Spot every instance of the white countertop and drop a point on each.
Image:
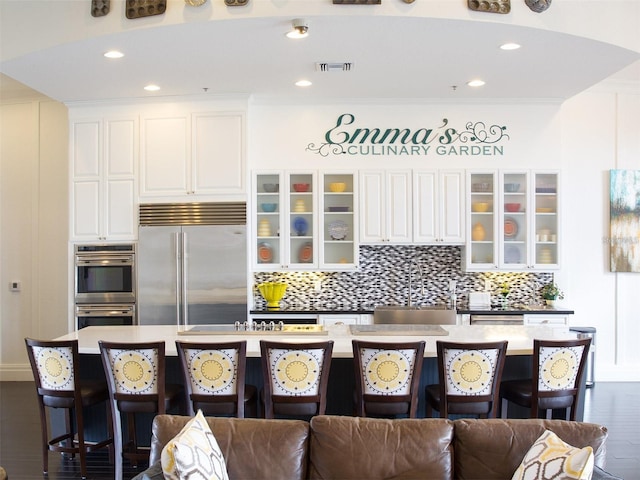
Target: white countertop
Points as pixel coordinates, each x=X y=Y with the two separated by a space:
x=520 y=337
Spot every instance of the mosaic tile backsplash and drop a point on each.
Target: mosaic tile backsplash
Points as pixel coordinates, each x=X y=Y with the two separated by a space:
x=383 y=279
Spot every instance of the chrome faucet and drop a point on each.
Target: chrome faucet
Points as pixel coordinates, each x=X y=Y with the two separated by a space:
x=411 y=264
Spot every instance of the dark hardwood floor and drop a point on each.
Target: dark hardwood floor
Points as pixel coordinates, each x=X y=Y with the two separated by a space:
x=614 y=405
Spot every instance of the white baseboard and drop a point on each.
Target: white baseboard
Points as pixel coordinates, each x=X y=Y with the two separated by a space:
x=16 y=372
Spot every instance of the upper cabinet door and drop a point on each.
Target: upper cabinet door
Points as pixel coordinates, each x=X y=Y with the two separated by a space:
x=438 y=206
x=482 y=221
x=385 y=206
x=199 y=154
x=165 y=166
x=104 y=156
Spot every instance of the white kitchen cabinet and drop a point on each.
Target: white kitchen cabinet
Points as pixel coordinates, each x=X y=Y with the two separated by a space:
x=513 y=221
x=285 y=220
x=338 y=232
x=552 y=320
x=195 y=155
x=386 y=206
x=438 y=206
x=104 y=157
x=339 y=319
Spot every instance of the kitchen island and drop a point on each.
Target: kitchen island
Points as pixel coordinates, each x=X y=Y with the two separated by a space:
x=341 y=378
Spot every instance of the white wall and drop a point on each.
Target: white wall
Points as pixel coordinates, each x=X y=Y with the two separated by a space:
x=601 y=131
x=33 y=228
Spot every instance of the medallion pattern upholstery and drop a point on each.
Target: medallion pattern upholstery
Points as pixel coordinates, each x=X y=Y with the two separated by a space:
x=469 y=378
x=295 y=377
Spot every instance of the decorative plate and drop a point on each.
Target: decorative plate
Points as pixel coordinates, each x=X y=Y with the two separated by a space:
x=338 y=230
x=301 y=226
x=265 y=253
x=510 y=227
x=305 y=255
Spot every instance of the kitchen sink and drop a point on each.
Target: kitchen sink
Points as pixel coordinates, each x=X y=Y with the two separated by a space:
x=424 y=315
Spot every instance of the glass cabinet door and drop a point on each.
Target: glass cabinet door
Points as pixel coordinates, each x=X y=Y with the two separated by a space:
x=546 y=222
x=301 y=221
x=338 y=236
x=268 y=210
x=514 y=251
x=481 y=241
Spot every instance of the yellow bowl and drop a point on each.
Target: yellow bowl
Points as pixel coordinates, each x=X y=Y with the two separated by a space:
x=337 y=186
x=480 y=207
x=272 y=292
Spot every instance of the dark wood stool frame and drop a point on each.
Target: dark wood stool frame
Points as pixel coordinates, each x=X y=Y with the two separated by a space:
x=295 y=405
x=387 y=405
x=484 y=406
x=526 y=392
x=212 y=404
x=84 y=394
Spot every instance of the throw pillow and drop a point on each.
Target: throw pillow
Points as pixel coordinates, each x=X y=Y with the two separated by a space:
x=194 y=454
x=549 y=457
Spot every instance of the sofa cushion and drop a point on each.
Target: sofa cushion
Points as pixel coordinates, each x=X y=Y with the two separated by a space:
x=358 y=448
x=252 y=447
x=549 y=457
x=493 y=448
x=194 y=453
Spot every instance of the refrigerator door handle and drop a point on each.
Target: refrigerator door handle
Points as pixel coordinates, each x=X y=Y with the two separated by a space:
x=178 y=277
x=184 y=303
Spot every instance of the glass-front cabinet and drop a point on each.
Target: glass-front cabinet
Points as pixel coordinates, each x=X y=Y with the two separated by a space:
x=338 y=234
x=285 y=210
x=513 y=222
x=482 y=221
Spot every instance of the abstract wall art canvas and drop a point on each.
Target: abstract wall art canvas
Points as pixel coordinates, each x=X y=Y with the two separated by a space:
x=624 y=239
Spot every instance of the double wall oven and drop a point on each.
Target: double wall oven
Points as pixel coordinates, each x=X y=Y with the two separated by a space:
x=105 y=285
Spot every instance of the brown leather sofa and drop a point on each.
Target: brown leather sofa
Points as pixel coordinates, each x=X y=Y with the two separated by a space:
x=334 y=447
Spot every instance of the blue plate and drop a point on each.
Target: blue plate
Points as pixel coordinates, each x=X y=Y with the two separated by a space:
x=300 y=226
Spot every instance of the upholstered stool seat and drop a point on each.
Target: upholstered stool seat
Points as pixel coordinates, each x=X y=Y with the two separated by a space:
x=387 y=378
x=55 y=366
x=558 y=367
x=296 y=376
x=214 y=376
x=135 y=375
x=469 y=378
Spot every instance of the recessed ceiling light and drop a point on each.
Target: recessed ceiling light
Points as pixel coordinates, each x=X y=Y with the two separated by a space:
x=114 y=54
x=303 y=83
x=476 y=83
x=152 y=88
x=300 y=29
x=510 y=46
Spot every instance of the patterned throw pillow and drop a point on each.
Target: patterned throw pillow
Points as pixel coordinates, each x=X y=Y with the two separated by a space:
x=194 y=454
x=550 y=458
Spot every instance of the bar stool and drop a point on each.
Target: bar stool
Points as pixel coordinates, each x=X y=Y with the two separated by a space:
x=136 y=379
x=296 y=376
x=214 y=376
x=469 y=377
x=387 y=377
x=55 y=370
x=558 y=366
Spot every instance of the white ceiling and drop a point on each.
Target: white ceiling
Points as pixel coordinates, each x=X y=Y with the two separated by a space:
x=392 y=57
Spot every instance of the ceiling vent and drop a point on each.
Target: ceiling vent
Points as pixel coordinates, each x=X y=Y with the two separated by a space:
x=334 y=66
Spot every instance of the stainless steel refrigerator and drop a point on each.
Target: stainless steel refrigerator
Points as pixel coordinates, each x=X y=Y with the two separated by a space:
x=192 y=275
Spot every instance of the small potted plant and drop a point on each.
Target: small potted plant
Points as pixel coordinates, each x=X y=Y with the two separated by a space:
x=551 y=292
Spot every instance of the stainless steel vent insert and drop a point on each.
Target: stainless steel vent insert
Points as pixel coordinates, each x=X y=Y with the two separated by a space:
x=204 y=213
x=334 y=66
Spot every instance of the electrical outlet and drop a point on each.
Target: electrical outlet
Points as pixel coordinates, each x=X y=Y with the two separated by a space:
x=317 y=286
x=487 y=285
x=452 y=285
